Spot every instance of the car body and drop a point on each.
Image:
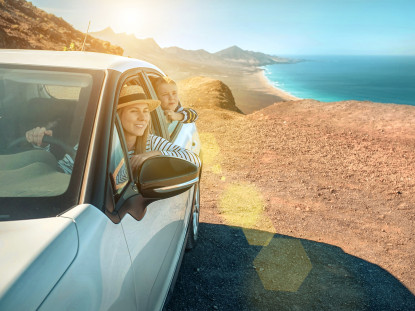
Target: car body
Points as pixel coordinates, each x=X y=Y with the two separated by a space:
x=83 y=241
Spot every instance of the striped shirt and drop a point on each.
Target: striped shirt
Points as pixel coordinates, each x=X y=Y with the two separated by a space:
x=153 y=143
x=167 y=148
x=66 y=163
x=189 y=114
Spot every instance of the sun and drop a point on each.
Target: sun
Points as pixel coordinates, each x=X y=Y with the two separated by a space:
x=126 y=20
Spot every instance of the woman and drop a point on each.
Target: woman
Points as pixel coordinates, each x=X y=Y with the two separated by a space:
x=134 y=111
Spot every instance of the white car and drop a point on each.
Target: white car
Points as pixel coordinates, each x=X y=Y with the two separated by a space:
x=80 y=241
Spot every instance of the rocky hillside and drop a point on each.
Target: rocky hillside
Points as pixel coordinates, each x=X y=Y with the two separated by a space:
x=24 y=26
x=220 y=96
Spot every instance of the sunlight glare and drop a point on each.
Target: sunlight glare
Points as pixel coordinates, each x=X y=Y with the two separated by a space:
x=127 y=20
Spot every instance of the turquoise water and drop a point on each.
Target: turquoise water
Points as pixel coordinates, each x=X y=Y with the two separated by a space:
x=384 y=79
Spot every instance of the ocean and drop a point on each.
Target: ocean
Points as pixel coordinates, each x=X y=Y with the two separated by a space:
x=384 y=79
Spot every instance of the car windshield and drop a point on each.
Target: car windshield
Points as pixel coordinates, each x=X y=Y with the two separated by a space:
x=42 y=112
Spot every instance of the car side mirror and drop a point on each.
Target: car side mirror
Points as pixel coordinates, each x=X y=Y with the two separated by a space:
x=162 y=177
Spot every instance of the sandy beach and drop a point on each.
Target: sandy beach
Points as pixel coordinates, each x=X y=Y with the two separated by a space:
x=252 y=86
x=270 y=88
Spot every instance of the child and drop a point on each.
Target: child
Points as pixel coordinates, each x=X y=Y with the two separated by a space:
x=167 y=93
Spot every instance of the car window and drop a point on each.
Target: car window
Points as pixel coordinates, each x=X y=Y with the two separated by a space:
x=118 y=171
x=32 y=99
x=43 y=181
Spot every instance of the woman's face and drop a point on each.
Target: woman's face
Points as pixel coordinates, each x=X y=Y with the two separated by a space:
x=135 y=119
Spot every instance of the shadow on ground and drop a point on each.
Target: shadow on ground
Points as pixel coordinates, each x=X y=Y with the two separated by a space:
x=225 y=272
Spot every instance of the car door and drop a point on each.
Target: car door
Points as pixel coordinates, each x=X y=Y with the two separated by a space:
x=100 y=276
x=155 y=232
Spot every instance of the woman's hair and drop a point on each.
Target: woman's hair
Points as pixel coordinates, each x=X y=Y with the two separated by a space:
x=141 y=141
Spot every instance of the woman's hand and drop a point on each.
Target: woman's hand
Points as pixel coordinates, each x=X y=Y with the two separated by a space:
x=138 y=159
x=173 y=116
x=35 y=136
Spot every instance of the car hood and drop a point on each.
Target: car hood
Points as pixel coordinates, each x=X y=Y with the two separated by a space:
x=34 y=254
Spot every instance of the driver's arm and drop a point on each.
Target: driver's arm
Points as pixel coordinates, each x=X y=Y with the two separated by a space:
x=35 y=136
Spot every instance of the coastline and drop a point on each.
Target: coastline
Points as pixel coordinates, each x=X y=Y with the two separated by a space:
x=273 y=89
x=250 y=87
x=253 y=91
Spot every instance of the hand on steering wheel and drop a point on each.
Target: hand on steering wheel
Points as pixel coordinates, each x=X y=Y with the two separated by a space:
x=46 y=139
x=35 y=136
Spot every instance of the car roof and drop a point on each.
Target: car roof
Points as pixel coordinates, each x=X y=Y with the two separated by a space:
x=72 y=59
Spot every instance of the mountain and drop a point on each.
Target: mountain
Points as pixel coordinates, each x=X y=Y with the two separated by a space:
x=133 y=47
x=148 y=49
x=231 y=56
x=238 y=55
x=24 y=26
x=192 y=55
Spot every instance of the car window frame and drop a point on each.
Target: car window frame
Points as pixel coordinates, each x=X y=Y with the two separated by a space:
x=171 y=137
x=116 y=126
x=134 y=76
x=72 y=194
x=130 y=188
x=158 y=117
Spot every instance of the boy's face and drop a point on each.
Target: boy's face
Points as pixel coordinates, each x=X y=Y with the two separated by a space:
x=167 y=94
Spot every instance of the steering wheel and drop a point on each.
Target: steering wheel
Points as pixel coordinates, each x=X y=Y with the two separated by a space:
x=46 y=139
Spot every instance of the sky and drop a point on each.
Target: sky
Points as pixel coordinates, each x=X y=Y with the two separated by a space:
x=277 y=27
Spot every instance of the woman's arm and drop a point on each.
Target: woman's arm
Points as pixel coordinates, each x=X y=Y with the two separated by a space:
x=169 y=149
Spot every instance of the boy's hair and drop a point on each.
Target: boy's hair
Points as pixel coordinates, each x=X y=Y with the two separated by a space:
x=162 y=80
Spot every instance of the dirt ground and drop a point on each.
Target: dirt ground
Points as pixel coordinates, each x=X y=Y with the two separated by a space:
x=334 y=174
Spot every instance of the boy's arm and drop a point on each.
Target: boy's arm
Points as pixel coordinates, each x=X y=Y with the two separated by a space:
x=189 y=115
